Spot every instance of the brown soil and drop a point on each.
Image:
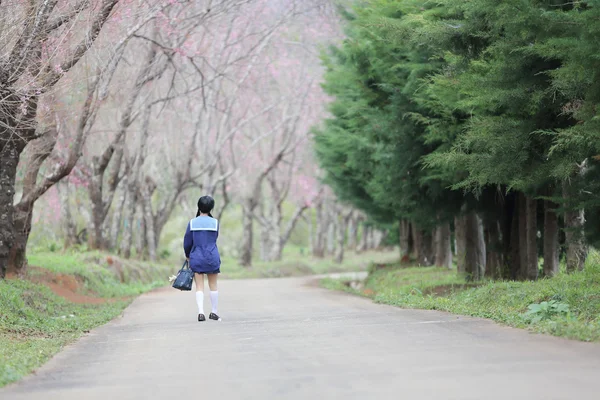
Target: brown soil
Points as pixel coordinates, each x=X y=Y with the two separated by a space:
x=377 y=267
x=368 y=292
x=405 y=260
x=65 y=286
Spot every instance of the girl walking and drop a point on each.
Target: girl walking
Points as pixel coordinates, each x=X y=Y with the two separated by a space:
x=200 y=246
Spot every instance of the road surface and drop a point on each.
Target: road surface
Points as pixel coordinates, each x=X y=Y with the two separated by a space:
x=287 y=339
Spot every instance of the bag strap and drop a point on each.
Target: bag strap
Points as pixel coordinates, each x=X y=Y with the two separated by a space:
x=185 y=264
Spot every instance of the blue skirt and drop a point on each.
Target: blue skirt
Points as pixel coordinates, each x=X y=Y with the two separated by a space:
x=200 y=270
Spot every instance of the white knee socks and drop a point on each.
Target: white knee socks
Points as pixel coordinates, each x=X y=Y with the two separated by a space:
x=214 y=300
x=200 y=302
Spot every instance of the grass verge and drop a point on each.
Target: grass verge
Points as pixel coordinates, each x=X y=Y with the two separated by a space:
x=35 y=323
x=567 y=305
x=298 y=264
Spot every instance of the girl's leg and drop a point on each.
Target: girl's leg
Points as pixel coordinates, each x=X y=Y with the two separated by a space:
x=212 y=281
x=214 y=296
x=199 y=279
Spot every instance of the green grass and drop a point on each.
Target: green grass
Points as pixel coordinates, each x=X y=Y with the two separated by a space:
x=297 y=262
x=121 y=279
x=502 y=301
x=35 y=323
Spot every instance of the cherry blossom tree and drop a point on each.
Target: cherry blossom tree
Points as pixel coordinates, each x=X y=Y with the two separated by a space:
x=290 y=75
x=162 y=98
x=45 y=72
x=40 y=42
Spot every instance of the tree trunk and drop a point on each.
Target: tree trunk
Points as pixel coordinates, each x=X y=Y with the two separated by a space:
x=404 y=233
x=423 y=246
x=275 y=249
x=319 y=240
x=276 y=245
x=528 y=237
x=18 y=125
x=412 y=250
x=371 y=239
x=522 y=212
x=140 y=233
x=161 y=217
x=96 y=239
x=443 y=248
x=428 y=248
x=474 y=247
x=515 y=236
x=418 y=242
x=117 y=221
x=506 y=226
x=247 y=234
x=341 y=230
x=265 y=243
x=69 y=226
x=331 y=231
x=362 y=244
x=17 y=260
x=39 y=150
x=287 y=233
x=151 y=238
x=129 y=219
x=434 y=244
x=532 y=248
x=494 y=259
x=10 y=151
x=577 y=249
x=378 y=239
x=481 y=249
x=551 y=263
x=460 y=232
x=352 y=233
x=311 y=233
x=100 y=205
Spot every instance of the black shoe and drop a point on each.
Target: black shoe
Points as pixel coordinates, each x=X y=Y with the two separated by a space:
x=214 y=317
x=201 y=317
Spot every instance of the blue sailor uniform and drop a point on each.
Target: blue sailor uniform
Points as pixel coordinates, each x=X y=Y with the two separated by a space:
x=200 y=245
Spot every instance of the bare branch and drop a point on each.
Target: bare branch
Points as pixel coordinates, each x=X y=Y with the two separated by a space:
x=65 y=18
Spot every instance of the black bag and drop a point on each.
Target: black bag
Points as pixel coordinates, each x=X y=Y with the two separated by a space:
x=184 y=279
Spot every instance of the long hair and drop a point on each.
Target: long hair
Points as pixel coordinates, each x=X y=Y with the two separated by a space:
x=205 y=205
x=199 y=212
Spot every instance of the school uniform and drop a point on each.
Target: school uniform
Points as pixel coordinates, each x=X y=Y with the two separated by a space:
x=200 y=245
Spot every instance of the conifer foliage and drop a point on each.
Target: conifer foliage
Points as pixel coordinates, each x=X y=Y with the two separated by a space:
x=476 y=121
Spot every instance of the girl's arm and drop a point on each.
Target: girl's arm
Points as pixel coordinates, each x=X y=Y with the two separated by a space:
x=188 y=242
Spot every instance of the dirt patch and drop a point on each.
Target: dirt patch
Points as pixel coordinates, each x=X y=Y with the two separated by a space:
x=68 y=287
x=313 y=283
x=368 y=292
x=377 y=267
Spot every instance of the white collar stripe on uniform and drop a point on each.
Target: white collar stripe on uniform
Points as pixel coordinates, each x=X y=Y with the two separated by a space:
x=204 y=224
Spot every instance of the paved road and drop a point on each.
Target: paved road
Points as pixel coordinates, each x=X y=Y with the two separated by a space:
x=285 y=339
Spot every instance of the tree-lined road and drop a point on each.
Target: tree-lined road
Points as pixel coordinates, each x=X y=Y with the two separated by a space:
x=286 y=339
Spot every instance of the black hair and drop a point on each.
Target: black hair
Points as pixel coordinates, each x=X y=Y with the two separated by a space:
x=205 y=205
